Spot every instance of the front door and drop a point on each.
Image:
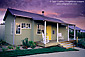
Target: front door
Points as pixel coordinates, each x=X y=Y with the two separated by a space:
x=49 y=31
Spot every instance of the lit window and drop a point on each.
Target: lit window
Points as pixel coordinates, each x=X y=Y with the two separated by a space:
x=23 y=25
x=18 y=28
x=26 y=25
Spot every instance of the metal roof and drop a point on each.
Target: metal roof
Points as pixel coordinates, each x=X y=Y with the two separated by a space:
x=34 y=16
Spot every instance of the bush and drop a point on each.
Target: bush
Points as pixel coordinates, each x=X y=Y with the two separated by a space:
x=10 y=47
x=81 y=43
x=17 y=47
x=32 y=44
x=4 y=49
x=2 y=42
x=25 y=42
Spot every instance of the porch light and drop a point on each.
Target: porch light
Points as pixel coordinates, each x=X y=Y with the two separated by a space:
x=66 y=27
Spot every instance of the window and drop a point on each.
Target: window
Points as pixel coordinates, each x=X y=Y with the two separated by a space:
x=18 y=29
x=53 y=32
x=23 y=25
x=26 y=25
x=40 y=29
x=12 y=28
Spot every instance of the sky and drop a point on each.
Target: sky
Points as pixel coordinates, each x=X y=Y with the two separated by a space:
x=70 y=11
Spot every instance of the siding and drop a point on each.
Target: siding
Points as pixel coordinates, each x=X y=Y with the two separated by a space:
x=54 y=36
x=2 y=32
x=25 y=33
x=36 y=36
x=8 y=36
x=64 y=32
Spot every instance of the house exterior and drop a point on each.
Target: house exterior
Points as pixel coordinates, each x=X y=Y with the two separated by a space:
x=20 y=25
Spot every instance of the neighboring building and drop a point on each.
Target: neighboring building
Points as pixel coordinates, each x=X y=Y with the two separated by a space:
x=20 y=25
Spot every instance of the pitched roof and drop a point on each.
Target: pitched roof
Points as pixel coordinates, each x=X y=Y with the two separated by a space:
x=34 y=16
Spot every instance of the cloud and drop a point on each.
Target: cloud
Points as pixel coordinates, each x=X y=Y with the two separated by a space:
x=69 y=15
x=1 y=9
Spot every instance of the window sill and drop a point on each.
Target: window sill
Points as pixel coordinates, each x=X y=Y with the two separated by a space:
x=17 y=34
x=25 y=28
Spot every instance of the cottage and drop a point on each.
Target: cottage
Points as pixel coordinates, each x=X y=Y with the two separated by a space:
x=38 y=28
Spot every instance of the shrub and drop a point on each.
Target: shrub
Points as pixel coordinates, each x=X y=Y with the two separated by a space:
x=10 y=47
x=81 y=43
x=17 y=47
x=32 y=44
x=25 y=42
x=4 y=49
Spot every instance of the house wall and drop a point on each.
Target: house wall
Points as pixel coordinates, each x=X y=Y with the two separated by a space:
x=37 y=37
x=25 y=33
x=8 y=36
x=64 y=31
x=54 y=28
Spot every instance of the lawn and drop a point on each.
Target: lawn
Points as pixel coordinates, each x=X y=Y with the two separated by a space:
x=34 y=51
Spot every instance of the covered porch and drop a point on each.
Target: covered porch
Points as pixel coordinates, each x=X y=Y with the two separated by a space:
x=46 y=42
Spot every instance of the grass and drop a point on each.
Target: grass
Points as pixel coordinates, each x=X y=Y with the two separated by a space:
x=34 y=51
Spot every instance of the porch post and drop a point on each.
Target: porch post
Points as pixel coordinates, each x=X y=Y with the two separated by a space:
x=57 y=32
x=74 y=33
x=68 y=32
x=45 y=32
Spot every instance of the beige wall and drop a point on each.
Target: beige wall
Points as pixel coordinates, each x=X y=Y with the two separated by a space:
x=25 y=33
x=8 y=36
x=31 y=34
x=64 y=32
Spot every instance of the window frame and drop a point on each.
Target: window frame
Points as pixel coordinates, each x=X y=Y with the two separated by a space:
x=25 y=25
x=20 y=29
x=37 y=29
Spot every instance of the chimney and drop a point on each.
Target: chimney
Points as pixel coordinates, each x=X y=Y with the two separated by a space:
x=42 y=12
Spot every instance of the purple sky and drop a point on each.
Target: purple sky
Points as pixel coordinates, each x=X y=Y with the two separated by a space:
x=73 y=12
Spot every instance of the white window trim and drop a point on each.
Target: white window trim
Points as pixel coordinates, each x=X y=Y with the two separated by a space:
x=20 y=29
x=25 y=25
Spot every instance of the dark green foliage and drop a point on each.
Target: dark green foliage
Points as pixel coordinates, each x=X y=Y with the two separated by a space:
x=10 y=47
x=78 y=34
x=2 y=42
x=34 y=51
x=32 y=44
x=25 y=42
x=81 y=43
x=4 y=49
x=17 y=47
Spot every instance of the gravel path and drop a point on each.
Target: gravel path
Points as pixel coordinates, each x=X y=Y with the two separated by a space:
x=80 y=53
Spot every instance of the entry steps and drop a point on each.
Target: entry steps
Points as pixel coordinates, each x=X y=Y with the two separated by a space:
x=66 y=45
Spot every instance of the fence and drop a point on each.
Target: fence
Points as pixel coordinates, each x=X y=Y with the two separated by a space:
x=2 y=32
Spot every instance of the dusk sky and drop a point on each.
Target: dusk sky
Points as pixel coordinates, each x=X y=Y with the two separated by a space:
x=70 y=11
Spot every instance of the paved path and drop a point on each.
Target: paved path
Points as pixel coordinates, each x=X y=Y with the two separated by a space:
x=80 y=53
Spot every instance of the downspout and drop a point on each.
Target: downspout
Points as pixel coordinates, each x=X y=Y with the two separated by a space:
x=14 y=31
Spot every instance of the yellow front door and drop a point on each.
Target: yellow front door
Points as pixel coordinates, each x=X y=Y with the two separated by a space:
x=49 y=31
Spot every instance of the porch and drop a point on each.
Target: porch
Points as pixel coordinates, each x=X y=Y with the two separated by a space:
x=61 y=32
x=64 y=43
